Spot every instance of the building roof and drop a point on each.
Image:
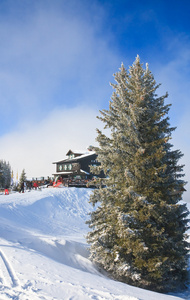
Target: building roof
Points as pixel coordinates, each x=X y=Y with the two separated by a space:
x=79 y=152
x=83 y=155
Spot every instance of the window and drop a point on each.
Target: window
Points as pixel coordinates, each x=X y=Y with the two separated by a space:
x=60 y=167
x=65 y=167
x=70 y=167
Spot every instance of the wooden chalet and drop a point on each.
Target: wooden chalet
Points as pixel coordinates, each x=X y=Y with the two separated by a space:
x=76 y=167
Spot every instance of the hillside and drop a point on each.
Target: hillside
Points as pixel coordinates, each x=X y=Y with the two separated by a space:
x=44 y=255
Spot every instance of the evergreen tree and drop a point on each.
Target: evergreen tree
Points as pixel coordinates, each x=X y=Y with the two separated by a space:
x=5 y=174
x=22 y=179
x=138 y=231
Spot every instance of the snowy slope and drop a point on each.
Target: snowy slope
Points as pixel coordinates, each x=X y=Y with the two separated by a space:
x=44 y=255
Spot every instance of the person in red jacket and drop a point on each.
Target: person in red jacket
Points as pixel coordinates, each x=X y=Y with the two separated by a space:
x=6 y=191
x=35 y=185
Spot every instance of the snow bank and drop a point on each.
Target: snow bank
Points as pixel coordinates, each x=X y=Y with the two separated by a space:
x=43 y=252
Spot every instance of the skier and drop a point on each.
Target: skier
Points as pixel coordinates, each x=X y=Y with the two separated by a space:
x=22 y=187
x=6 y=191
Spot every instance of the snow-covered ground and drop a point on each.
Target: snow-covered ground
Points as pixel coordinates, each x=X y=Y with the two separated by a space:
x=44 y=254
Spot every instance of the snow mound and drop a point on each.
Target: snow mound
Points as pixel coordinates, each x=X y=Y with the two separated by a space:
x=50 y=211
x=43 y=251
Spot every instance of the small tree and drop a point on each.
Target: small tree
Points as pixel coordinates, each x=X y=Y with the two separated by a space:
x=22 y=179
x=138 y=229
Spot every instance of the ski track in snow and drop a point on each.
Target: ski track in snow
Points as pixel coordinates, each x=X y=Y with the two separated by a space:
x=8 y=274
x=10 y=287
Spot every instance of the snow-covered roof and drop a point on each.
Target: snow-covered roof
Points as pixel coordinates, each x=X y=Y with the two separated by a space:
x=85 y=154
x=89 y=153
x=77 y=151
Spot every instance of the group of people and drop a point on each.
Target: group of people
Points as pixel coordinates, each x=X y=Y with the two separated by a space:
x=30 y=185
x=58 y=182
x=23 y=186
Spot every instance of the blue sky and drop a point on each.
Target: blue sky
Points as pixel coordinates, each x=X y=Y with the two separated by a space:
x=57 y=59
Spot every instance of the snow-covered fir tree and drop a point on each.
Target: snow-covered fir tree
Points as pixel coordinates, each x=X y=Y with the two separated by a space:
x=138 y=230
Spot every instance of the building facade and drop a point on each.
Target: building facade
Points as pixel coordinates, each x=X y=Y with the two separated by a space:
x=77 y=165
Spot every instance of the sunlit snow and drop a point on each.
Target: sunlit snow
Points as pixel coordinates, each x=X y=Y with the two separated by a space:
x=44 y=254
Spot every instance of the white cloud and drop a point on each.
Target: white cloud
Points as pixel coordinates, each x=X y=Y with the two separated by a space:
x=52 y=57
